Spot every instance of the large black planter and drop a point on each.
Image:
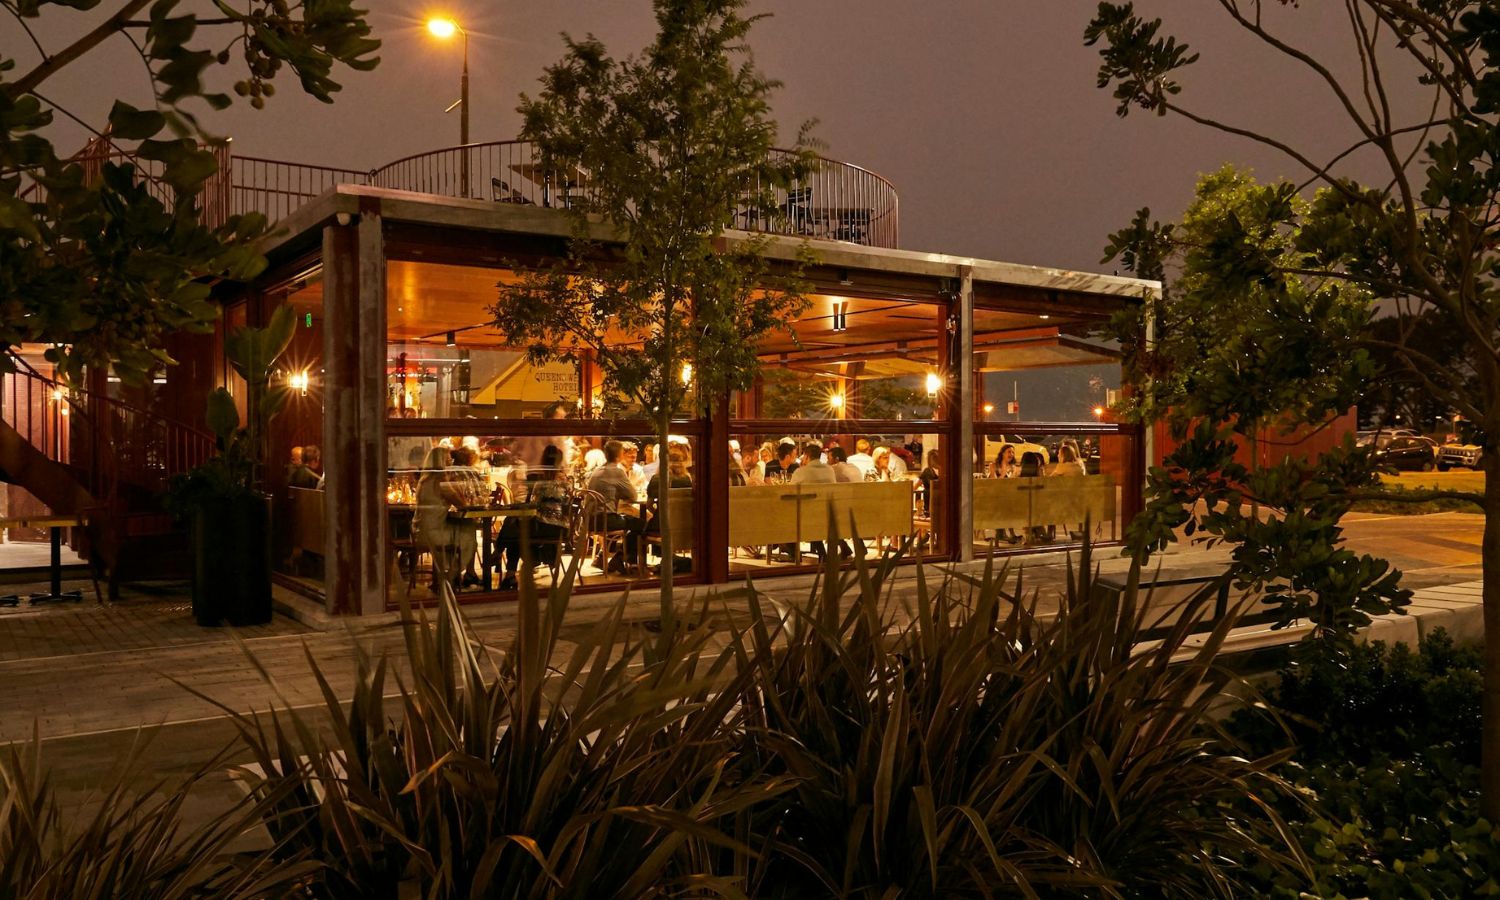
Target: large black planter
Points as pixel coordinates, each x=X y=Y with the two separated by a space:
x=232 y=561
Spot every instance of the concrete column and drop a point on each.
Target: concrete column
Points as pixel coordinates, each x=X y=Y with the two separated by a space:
x=961 y=495
x=354 y=521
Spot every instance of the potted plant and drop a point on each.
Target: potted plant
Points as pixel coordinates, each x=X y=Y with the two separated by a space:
x=228 y=513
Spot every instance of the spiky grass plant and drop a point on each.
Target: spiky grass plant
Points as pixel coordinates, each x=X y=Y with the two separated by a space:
x=977 y=745
x=501 y=776
x=124 y=841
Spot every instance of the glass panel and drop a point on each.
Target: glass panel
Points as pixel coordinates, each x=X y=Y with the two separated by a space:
x=891 y=485
x=1034 y=489
x=469 y=506
x=435 y=381
x=1042 y=367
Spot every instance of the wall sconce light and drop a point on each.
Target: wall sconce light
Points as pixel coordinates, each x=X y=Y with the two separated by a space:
x=298 y=381
x=687 y=373
x=934 y=384
x=452 y=339
x=1044 y=316
x=57 y=395
x=836 y=401
x=841 y=315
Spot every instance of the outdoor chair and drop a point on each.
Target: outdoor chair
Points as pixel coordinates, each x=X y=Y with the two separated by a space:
x=594 y=511
x=853 y=226
x=799 y=212
x=501 y=192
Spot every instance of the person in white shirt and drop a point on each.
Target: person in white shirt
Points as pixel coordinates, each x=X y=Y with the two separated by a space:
x=862 y=459
x=651 y=464
x=633 y=470
x=843 y=470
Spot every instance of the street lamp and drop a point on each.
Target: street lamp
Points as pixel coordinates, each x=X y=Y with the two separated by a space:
x=443 y=29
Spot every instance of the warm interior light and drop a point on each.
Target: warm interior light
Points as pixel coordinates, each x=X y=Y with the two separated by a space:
x=298 y=381
x=989 y=408
x=836 y=401
x=687 y=373
x=1098 y=412
x=442 y=28
x=1044 y=316
x=934 y=383
x=57 y=395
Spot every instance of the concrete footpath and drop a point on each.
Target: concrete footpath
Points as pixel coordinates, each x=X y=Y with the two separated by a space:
x=97 y=678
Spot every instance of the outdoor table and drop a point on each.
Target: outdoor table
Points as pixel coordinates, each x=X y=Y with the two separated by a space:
x=482 y=515
x=533 y=172
x=55 y=524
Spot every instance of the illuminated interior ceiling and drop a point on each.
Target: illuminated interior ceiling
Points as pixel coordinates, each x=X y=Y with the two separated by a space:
x=888 y=337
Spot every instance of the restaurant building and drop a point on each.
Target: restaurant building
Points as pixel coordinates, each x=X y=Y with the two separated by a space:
x=938 y=362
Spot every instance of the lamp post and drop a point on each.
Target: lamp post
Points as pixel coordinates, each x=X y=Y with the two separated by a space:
x=444 y=29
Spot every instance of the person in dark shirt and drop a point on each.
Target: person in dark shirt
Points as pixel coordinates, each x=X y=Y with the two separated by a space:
x=785 y=463
x=309 y=474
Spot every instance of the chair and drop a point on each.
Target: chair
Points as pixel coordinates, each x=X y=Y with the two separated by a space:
x=799 y=212
x=501 y=192
x=854 y=225
x=594 y=510
x=403 y=543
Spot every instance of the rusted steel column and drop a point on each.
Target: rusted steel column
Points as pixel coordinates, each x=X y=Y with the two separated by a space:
x=354 y=413
x=961 y=460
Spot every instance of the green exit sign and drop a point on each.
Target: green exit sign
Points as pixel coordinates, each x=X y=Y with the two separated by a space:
x=309 y=320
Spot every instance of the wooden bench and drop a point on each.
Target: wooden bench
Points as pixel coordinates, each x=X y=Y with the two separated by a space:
x=768 y=514
x=305 y=522
x=1021 y=504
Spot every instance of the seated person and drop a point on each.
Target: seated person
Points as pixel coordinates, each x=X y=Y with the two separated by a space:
x=613 y=484
x=781 y=468
x=677 y=472
x=546 y=489
x=308 y=474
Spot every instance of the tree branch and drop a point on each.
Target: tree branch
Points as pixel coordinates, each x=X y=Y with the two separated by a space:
x=54 y=64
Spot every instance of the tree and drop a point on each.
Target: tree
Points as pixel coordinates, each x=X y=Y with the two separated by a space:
x=1419 y=246
x=677 y=144
x=100 y=258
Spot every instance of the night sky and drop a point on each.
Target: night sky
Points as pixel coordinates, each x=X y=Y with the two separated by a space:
x=983 y=114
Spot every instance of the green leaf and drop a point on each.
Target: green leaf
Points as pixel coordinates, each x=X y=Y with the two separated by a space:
x=131 y=124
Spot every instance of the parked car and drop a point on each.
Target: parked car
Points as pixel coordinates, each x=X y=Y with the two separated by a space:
x=1365 y=438
x=1464 y=452
x=1410 y=452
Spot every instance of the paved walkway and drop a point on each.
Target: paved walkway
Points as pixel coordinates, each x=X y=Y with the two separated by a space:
x=92 y=676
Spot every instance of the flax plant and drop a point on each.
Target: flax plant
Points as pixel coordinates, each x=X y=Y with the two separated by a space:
x=980 y=745
x=127 y=843
x=501 y=776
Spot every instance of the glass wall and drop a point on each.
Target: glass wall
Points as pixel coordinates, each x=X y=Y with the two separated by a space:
x=470 y=506
x=791 y=489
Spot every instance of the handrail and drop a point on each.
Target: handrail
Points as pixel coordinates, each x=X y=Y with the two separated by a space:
x=120 y=442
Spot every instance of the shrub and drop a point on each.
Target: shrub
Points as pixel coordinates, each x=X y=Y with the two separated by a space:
x=1352 y=702
x=125 y=844
x=1387 y=761
x=981 y=746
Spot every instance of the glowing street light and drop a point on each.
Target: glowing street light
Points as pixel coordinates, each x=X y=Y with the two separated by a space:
x=1098 y=414
x=988 y=408
x=444 y=29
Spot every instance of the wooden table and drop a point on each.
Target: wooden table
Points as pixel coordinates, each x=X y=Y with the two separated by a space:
x=55 y=524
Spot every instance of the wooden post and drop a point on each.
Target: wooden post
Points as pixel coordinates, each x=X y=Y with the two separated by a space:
x=711 y=496
x=961 y=456
x=354 y=413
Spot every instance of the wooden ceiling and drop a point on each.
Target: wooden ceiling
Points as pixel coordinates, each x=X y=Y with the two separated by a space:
x=426 y=300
